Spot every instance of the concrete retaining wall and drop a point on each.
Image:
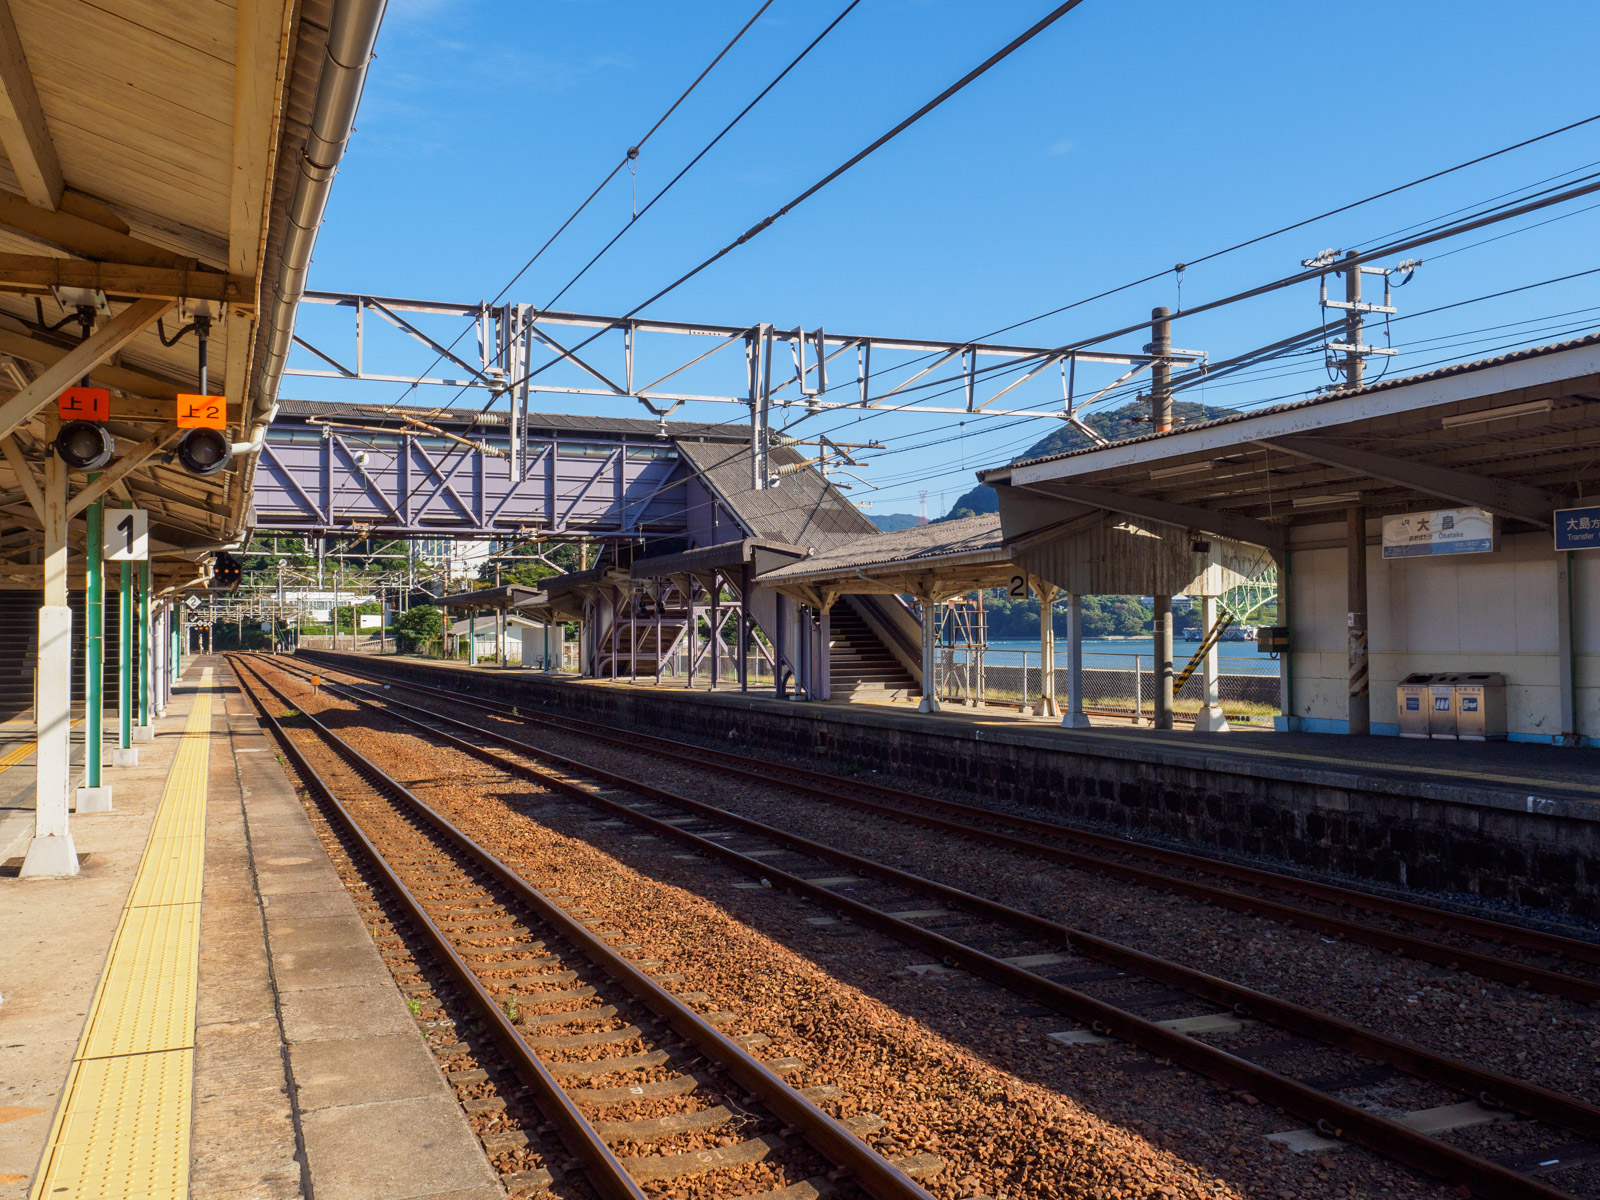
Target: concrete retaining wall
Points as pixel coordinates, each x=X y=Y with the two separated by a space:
x=1542 y=853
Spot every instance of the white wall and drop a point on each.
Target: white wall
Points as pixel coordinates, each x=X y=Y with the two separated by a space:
x=1478 y=612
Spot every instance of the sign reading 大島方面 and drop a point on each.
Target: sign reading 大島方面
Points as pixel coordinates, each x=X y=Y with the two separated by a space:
x=1577 y=528
x=1442 y=531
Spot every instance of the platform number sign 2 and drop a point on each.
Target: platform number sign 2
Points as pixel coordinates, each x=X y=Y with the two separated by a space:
x=201 y=412
x=127 y=535
x=1019 y=587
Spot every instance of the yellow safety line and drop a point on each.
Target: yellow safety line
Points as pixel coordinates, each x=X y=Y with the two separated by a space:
x=122 y=1128
x=12 y=757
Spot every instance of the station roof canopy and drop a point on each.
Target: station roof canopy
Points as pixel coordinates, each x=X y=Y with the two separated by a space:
x=1515 y=434
x=152 y=156
x=510 y=595
x=761 y=553
x=943 y=559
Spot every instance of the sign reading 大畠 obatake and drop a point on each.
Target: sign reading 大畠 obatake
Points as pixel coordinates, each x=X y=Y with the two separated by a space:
x=1442 y=531
x=1578 y=528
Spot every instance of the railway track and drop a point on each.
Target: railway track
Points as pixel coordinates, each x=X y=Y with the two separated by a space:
x=1498 y=951
x=1113 y=991
x=568 y=1009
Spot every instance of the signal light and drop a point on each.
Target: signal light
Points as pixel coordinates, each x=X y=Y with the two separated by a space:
x=224 y=572
x=85 y=445
x=205 y=451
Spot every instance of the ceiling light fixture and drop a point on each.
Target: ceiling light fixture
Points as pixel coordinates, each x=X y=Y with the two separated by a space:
x=1497 y=414
x=1322 y=501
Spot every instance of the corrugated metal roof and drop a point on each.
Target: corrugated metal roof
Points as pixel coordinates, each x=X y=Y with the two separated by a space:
x=924 y=544
x=804 y=509
x=1313 y=401
x=706 y=558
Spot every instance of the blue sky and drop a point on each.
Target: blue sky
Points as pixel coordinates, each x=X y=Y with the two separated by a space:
x=1122 y=141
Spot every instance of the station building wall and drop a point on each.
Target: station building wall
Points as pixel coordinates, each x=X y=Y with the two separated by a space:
x=1477 y=612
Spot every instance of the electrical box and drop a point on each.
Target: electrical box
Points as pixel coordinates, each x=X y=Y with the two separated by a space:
x=1481 y=706
x=1273 y=639
x=1413 y=703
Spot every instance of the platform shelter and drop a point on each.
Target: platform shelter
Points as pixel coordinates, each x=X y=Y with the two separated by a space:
x=1433 y=525
x=163 y=181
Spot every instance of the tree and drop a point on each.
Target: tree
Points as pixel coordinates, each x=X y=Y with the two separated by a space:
x=417 y=626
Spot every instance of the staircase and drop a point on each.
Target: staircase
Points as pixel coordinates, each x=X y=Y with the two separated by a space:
x=861 y=666
x=19 y=651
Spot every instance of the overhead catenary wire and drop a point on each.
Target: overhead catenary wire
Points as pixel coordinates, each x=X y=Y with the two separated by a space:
x=767 y=222
x=706 y=149
x=629 y=157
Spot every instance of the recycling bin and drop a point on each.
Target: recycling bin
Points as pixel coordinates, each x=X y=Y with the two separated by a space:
x=1481 y=706
x=1442 y=706
x=1413 y=703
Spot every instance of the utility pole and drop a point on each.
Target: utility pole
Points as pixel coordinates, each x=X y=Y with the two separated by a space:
x=1161 y=421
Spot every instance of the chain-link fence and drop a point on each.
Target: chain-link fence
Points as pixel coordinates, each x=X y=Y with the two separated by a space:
x=1127 y=689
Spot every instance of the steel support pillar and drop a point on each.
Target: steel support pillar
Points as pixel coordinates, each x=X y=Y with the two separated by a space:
x=1047 y=706
x=1566 y=655
x=780 y=635
x=1210 y=718
x=930 y=641
x=95 y=794
x=472 y=637
x=825 y=653
x=146 y=731
x=1075 y=717
x=51 y=851
x=1163 y=662
x=1359 y=713
x=126 y=754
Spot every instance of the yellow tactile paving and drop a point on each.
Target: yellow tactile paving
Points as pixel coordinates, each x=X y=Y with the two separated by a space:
x=122 y=1128
x=25 y=750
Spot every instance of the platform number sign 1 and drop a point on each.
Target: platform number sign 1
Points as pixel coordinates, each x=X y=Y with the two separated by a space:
x=127 y=535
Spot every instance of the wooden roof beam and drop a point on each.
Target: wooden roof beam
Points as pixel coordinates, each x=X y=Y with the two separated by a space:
x=79 y=227
x=42 y=273
x=22 y=129
x=79 y=361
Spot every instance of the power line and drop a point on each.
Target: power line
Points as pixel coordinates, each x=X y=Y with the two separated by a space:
x=1484 y=218
x=876 y=144
x=706 y=149
x=766 y=223
x=631 y=155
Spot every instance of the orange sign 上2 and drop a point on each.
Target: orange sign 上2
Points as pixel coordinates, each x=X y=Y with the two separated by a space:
x=202 y=412
x=84 y=404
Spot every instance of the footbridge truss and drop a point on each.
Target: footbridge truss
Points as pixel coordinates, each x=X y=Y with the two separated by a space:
x=775 y=374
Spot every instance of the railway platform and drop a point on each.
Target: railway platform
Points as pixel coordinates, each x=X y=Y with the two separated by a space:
x=202 y=1011
x=1516 y=821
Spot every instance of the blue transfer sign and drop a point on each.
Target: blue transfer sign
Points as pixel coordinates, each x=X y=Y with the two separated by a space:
x=1578 y=529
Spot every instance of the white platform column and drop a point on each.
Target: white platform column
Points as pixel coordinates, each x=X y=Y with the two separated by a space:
x=51 y=851
x=1210 y=719
x=1075 y=718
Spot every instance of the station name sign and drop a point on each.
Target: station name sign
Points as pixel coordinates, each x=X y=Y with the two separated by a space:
x=1578 y=528
x=1442 y=531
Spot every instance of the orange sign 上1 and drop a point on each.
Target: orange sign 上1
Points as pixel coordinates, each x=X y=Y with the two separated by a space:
x=202 y=412
x=84 y=404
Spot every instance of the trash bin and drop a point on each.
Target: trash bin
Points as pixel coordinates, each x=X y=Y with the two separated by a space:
x=1442 y=710
x=1481 y=706
x=1412 y=702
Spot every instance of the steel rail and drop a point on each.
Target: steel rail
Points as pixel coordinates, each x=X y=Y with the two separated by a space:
x=871 y=1171
x=603 y=1170
x=824 y=786
x=1331 y=1116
